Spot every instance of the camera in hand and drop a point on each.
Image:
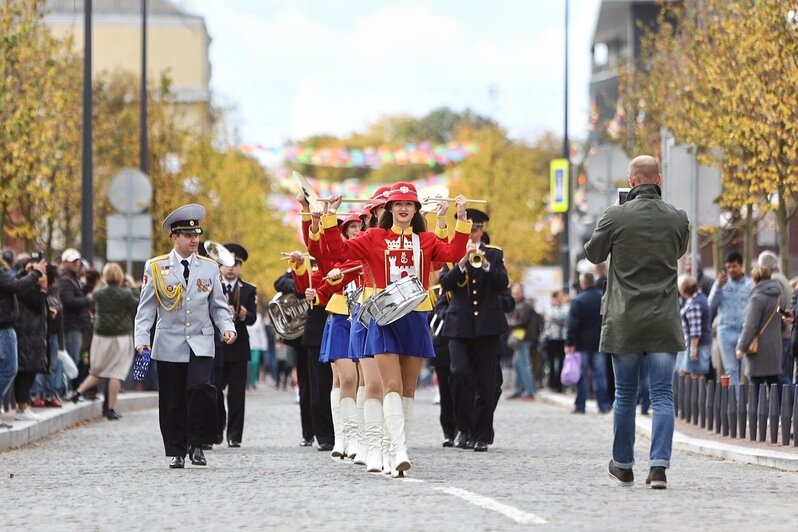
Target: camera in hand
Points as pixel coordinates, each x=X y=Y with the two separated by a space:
x=36 y=256
x=623 y=193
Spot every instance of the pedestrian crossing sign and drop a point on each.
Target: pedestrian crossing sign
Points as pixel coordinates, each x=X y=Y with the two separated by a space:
x=559 y=187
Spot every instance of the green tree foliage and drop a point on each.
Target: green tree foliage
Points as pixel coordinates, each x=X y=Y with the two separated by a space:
x=722 y=75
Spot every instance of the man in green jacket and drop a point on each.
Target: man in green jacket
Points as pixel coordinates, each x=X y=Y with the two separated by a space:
x=645 y=237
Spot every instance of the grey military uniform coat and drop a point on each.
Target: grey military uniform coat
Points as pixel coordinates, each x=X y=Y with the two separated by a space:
x=190 y=325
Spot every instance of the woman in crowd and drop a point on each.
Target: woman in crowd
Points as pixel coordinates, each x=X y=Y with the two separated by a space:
x=112 y=343
x=697 y=326
x=763 y=366
x=400 y=246
x=31 y=329
x=49 y=386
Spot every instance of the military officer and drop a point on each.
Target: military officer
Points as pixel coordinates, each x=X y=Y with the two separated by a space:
x=474 y=323
x=182 y=296
x=230 y=365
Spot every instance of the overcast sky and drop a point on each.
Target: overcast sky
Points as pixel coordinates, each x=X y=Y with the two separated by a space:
x=296 y=68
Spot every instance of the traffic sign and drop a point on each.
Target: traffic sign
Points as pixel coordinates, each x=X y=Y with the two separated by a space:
x=559 y=187
x=130 y=191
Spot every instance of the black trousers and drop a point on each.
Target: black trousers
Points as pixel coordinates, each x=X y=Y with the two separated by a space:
x=303 y=381
x=320 y=387
x=186 y=412
x=441 y=364
x=474 y=365
x=233 y=376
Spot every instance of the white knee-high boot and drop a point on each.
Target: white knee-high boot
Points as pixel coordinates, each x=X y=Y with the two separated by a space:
x=409 y=408
x=386 y=446
x=372 y=415
x=395 y=423
x=335 y=408
x=362 y=447
x=349 y=426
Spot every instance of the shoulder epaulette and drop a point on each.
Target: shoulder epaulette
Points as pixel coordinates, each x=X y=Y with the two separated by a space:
x=208 y=259
x=159 y=257
x=492 y=247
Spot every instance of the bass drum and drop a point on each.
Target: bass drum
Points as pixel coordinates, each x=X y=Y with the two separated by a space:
x=395 y=301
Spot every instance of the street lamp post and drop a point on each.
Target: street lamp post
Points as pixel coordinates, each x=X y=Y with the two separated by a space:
x=87 y=168
x=565 y=244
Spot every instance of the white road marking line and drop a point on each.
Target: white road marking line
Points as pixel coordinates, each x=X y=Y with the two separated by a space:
x=407 y=479
x=513 y=513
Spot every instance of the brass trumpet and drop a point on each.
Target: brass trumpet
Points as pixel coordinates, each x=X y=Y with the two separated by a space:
x=477 y=259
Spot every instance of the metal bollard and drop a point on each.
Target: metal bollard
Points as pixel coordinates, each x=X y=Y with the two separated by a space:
x=676 y=395
x=786 y=413
x=710 y=408
x=688 y=391
x=795 y=422
x=773 y=413
x=716 y=407
x=753 y=406
x=694 y=401
x=732 y=411
x=742 y=412
x=682 y=398
x=724 y=412
x=702 y=402
x=762 y=413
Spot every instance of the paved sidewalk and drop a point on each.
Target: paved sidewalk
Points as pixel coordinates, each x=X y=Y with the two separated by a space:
x=688 y=437
x=57 y=419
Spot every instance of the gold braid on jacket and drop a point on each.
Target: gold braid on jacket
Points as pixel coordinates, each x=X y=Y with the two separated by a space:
x=175 y=294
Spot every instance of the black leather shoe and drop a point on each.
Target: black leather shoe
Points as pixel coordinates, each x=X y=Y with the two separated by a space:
x=325 y=447
x=231 y=443
x=75 y=397
x=448 y=443
x=112 y=415
x=198 y=457
x=178 y=462
x=481 y=447
x=206 y=447
x=461 y=440
x=306 y=443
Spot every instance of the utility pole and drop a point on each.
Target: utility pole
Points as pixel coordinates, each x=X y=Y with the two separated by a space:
x=87 y=167
x=144 y=155
x=565 y=241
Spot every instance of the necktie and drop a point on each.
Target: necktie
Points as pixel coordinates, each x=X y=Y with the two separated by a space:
x=184 y=262
x=229 y=289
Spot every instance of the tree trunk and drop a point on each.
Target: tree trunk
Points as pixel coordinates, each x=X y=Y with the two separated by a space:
x=748 y=237
x=784 y=234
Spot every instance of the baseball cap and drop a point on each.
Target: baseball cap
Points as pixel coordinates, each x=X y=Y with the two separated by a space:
x=70 y=255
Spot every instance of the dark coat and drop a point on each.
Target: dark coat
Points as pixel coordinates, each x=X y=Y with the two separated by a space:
x=31 y=329
x=584 y=321
x=10 y=286
x=476 y=307
x=76 y=304
x=244 y=295
x=640 y=308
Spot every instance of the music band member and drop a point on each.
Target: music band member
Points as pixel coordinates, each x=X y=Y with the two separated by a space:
x=232 y=360
x=399 y=247
x=182 y=296
x=474 y=322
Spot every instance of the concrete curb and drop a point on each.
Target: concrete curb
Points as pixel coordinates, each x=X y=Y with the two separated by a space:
x=682 y=442
x=56 y=419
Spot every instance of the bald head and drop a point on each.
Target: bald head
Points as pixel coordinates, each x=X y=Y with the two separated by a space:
x=644 y=170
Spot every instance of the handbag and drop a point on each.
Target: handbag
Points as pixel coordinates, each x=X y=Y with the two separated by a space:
x=70 y=369
x=515 y=338
x=753 y=347
x=571 y=368
x=141 y=365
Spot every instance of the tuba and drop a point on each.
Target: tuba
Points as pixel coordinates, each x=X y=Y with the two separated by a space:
x=219 y=253
x=288 y=314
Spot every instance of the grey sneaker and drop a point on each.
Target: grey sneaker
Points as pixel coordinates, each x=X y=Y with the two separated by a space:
x=656 y=479
x=624 y=477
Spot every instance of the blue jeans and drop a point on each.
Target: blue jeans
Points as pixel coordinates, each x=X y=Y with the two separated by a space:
x=597 y=363
x=50 y=384
x=627 y=374
x=8 y=359
x=523 y=374
x=644 y=394
x=727 y=342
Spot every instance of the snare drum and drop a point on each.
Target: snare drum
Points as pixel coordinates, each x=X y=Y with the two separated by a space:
x=395 y=301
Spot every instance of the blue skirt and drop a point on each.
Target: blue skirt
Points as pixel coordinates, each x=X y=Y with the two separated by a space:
x=409 y=335
x=335 y=339
x=357 y=336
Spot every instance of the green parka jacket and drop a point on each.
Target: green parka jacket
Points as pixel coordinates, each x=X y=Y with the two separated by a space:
x=640 y=306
